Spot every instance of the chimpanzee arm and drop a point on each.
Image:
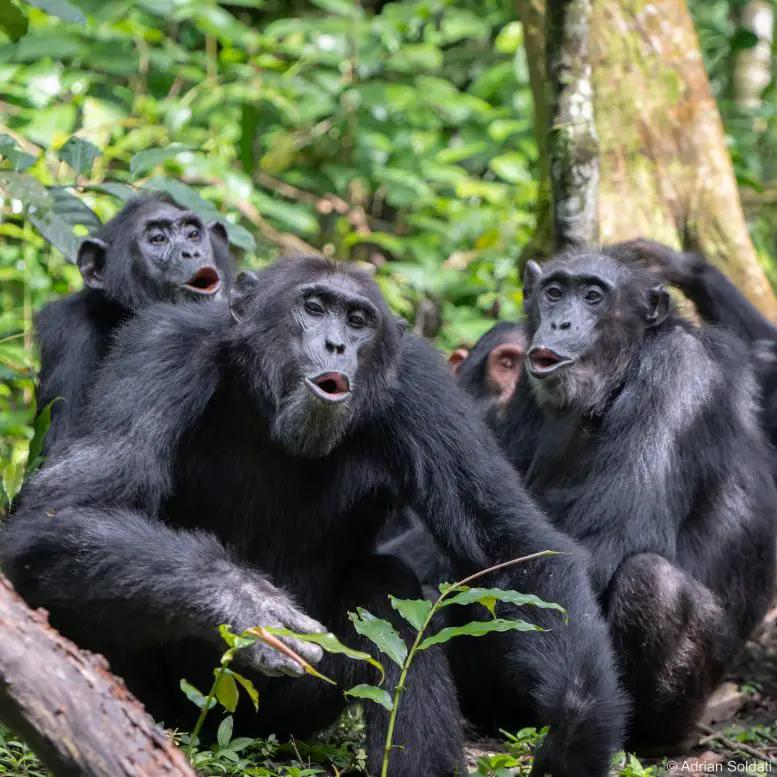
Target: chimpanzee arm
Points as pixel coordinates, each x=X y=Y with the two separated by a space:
x=88 y=541
x=717 y=299
x=71 y=343
x=469 y=496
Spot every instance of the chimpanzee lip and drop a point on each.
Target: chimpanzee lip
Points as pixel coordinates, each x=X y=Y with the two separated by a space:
x=330 y=386
x=544 y=361
x=205 y=281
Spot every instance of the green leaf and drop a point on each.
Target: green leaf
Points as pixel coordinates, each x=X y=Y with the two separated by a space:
x=13 y=21
x=61 y=9
x=414 y=611
x=25 y=188
x=8 y=149
x=378 y=695
x=194 y=696
x=144 y=161
x=487 y=596
x=119 y=190
x=744 y=39
x=79 y=154
x=57 y=231
x=477 y=629
x=41 y=427
x=381 y=633
x=73 y=210
x=248 y=687
x=330 y=643
x=224 y=733
x=226 y=689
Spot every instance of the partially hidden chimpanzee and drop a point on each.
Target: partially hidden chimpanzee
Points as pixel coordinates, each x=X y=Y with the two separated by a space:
x=720 y=302
x=638 y=433
x=151 y=251
x=236 y=466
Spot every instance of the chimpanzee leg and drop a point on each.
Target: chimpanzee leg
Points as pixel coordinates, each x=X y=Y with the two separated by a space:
x=427 y=736
x=674 y=641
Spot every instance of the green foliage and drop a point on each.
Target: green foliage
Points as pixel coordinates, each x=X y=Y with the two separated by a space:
x=401 y=140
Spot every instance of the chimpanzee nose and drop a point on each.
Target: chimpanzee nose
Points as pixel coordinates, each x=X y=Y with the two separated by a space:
x=562 y=325
x=187 y=254
x=335 y=345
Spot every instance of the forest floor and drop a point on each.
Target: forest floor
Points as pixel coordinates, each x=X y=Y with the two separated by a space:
x=738 y=736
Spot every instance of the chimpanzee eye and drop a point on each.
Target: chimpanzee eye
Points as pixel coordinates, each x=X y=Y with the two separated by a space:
x=157 y=238
x=357 y=319
x=194 y=234
x=553 y=293
x=314 y=307
x=507 y=363
x=593 y=296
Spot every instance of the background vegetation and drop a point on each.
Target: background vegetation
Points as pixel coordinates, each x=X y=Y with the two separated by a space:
x=399 y=135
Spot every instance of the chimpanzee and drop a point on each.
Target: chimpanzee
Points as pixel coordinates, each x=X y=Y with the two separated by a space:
x=638 y=435
x=236 y=465
x=150 y=251
x=719 y=301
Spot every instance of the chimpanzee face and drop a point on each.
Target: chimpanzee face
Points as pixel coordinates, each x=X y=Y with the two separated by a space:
x=154 y=252
x=331 y=349
x=586 y=313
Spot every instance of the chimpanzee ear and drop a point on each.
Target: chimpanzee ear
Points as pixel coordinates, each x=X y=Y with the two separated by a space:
x=218 y=229
x=456 y=358
x=91 y=258
x=531 y=275
x=239 y=293
x=657 y=305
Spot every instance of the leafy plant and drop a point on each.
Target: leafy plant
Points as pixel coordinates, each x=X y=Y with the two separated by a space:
x=418 y=613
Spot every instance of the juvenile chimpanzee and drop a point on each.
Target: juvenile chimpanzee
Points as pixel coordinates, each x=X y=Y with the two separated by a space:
x=225 y=449
x=151 y=251
x=719 y=301
x=638 y=434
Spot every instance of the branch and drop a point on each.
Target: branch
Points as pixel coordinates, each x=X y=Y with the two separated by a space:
x=77 y=717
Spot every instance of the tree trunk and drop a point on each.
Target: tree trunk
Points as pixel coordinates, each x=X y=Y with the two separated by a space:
x=753 y=66
x=77 y=717
x=573 y=146
x=665 y=172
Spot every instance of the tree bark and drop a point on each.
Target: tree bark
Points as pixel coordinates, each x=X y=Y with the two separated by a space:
x=665 y=172
x=573 y=145
x=753 y=66
x=78 y=718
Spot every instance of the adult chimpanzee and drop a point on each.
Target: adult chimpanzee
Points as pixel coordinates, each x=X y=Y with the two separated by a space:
x=637 y=433
x=225 y=451
x=150 y=251
x=719 y=301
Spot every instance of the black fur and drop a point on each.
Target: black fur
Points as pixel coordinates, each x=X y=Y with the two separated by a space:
x=74 y=333
x=720 y=302
x=174 y=510
x=650 y=455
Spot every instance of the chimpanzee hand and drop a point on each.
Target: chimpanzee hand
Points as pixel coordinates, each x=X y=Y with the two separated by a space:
x=272 y=607
x=674 y=266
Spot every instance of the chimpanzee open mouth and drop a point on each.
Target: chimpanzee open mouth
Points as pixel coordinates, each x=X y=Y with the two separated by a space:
x=330 y=386
x=544 y=361
x=205 y=281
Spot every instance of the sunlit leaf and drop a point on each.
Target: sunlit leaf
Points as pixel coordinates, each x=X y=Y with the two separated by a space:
x=194 y=696
x=144 y=161
x=371 y=692
x=79 y=154
x=226 y=689
x=477 y=629
x=414 y=611
x=381 y=633
x=330 y=643
x=487 y=596
x=248 y=687
x=8 y=149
